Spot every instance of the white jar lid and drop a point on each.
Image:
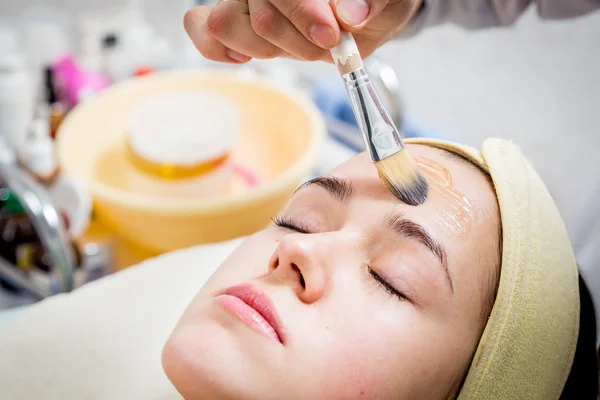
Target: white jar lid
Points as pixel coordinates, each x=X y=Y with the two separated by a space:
x=183 y=128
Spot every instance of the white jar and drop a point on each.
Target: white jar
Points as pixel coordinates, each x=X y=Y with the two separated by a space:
x=183 y=127
x=185 y=138
x=16 y=99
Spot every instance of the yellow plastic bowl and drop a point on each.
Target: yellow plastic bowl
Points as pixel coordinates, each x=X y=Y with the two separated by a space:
x=282 y=132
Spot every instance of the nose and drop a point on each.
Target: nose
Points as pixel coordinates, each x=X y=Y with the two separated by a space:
x=302 y=261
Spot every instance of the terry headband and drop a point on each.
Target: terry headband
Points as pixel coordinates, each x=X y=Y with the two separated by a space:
x=529 y=341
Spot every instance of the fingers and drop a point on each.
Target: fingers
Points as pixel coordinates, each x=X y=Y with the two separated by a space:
x=314 y=19
x=235 y=31
x=269 y=23
x=353 y=15
x=195 y=26
x=229 y=23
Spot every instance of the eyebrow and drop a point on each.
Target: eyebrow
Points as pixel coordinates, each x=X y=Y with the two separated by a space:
x=337 y=188
x=410 y=229
x=342 y=191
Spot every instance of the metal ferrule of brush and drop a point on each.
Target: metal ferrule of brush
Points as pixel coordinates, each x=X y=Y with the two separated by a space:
x=381 y=136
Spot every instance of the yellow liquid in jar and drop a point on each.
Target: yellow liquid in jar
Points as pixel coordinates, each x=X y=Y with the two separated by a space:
x=116 y=169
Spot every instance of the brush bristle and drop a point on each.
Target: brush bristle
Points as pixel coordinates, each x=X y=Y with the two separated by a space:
x=402 y=177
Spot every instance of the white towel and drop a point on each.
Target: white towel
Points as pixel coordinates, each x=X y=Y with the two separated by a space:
x=104 y=340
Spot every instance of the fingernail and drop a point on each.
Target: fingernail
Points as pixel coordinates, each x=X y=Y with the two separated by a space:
x=352 y=12
x=235 y=56
x=322 y=35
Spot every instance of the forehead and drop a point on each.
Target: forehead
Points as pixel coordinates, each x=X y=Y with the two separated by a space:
x=451 y=180
x=461 y=210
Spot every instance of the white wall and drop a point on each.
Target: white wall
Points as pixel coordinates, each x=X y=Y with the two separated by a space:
x=165 y=15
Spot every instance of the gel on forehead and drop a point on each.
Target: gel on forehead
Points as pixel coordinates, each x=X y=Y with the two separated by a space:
x=458 y=213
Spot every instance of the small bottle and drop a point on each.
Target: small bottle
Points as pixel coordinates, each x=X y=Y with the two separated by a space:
x=110 y=43
x=21 y=246
x=8 y=206
x=16 y=99
x=38 y=155
x=32 y=255
x=56 y=109
x=16 y=229
x=7 y=155
x=9 y=202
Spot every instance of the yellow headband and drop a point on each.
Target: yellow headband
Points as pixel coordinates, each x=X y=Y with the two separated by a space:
x=528 y=344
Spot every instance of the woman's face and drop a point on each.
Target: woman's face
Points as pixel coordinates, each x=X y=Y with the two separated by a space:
x=355 y=295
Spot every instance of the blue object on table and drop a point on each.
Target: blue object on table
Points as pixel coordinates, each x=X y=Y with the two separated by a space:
x=330 y=96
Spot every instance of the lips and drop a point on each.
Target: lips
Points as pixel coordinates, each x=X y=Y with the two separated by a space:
x=253 y=308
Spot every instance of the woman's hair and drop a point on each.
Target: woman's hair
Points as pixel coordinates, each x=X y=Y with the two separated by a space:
x=582 y=383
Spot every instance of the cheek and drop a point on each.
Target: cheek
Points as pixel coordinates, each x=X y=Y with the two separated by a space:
x=361 y=356
x=389 y=353
x=353 y=364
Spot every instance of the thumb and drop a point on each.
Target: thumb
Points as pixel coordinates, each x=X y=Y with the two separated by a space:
x=353 y=15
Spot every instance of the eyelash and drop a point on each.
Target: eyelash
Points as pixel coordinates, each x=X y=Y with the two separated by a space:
x=384 y=285
x=287 y=223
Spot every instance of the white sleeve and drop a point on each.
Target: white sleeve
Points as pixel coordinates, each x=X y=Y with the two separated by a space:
x=477 y=14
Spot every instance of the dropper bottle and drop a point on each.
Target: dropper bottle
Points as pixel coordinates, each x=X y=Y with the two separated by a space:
x=38 y=155
x=57 y=109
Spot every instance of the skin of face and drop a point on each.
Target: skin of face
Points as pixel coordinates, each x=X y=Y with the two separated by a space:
x=346 y=335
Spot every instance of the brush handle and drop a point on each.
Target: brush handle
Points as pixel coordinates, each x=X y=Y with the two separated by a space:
x=382 y=138
x=346 y=55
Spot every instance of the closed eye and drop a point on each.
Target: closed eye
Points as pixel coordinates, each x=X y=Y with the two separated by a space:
x=385 y=285
x=287 y=223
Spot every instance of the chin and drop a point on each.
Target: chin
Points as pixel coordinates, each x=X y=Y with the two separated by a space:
x=195 y=359
x=205 y=358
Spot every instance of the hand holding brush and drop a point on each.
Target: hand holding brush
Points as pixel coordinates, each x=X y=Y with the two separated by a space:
x=396 y=167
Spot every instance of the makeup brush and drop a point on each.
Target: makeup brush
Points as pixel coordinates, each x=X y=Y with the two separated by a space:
x=396 y=167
